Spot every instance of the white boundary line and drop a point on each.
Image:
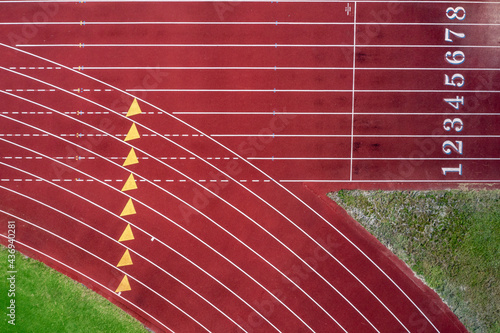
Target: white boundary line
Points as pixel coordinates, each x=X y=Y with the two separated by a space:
x=274 y=68
x=245 y=23
x=386 y=181
x=339 y=113
x=374 y=158
x=90 y=279
x=250 y=219
x=168 y=219
x=246 y=216
x=109 y=264
x=253 y=166
x=255 y=1
x=350 y=136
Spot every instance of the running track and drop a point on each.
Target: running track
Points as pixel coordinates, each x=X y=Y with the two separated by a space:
x=206 y=209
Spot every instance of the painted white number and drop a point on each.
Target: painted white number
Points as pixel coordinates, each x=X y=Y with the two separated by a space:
x=452 y=82
x=458 y=57
x=457 y=124
x=447 y=144
x=455 y=102
x=447 y=35
x=455 y=13
x=459 y=170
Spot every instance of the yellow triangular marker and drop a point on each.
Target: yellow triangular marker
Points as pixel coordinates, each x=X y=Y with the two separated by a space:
x=131 y=158
x=127 y=234
x=125 y=260
x=134 y=109
x=124 y=285
x=129 y=184
x=129 y=208
x=133 y=133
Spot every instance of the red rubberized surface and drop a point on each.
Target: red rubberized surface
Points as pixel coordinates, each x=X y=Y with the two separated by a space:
x=251 y=113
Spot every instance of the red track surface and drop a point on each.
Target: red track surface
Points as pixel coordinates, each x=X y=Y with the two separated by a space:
x=251 y=112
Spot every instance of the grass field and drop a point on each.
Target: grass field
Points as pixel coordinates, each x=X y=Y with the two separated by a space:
x=48 y=301
x=451 y=239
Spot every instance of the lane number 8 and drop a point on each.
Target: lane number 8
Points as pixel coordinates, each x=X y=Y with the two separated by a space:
x=456 y=13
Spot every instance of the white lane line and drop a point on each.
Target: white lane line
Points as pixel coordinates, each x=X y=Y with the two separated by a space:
x=181 y=200
x=187 y=204
x=286 y=68
x=263 y=173
x=246 y=23
x=317 y=90
x=241 y=90
x=103 y=287
x=212 y=68
x=243 y=214
x=141 y=256
x=339 y=113
x=276 y=45
x=248 y=1
x=357 y=136
x=109 y=264
x=226 y=202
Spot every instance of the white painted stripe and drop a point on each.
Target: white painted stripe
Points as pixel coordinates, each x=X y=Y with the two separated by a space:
x=174 y=196
x=353 y=88
x=249 y=23
x=240 y=212
x=355 y=135
x=216 y=68
x=246 y=216
x=340 y=113
x=248 y=1
x=201 y=213
x=83 y=45
x=320 y=90
x=90 y=279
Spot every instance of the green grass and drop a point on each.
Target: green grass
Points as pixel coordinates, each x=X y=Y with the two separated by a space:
x=47 y=301
x=451 y=239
